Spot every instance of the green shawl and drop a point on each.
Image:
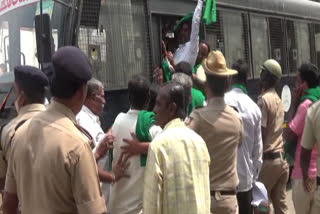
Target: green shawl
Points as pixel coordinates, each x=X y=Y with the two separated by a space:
x=312 y=94
x=210 y=12
x=195 y=68
x=242 y=87
x=144 y=122
x=197 y=100
x=166 y=71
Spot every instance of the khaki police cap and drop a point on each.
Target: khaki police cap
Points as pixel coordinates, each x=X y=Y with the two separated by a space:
x=215 y=64
x=273 y=67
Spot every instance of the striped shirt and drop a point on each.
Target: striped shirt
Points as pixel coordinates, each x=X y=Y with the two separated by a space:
x=177 y=172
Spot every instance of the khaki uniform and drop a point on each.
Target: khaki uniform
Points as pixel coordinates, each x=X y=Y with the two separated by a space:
x=310 y=137
x=221 y=128
x=25 y=113
x=52 y=168
x=274 y=172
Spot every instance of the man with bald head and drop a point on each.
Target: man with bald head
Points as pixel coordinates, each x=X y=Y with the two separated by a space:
x=177 y=171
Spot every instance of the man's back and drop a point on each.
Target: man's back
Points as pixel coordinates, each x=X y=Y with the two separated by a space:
x=126 y=194
x=221 y=128
x=52 y=166
x=25 y=113
x=177 y=172
x=272 y=120
x=249 y=158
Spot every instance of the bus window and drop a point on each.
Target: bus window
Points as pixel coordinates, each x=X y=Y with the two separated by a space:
x=236 y=37
x=214 y=34
x=259 y=41
x=17 y=31
x=301 y=53
x=277 y=42
x=317 y=43
x=120 y=47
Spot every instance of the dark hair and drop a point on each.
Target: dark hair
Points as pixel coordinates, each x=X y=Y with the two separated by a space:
x=217 y=84
x=242 y=67
x=65 y=88
x=138 y=89
x=153 y=93
x=268 y=80
x=309 y=73
x=184 y=67
x=206 y=43
x=33 y=95
x=176 y=95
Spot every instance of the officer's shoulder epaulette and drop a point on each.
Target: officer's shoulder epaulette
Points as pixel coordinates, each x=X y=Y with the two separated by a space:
x=86 y=133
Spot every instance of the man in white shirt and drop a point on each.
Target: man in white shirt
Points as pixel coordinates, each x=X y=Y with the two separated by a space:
x=126 y=194
x=188 y=38
x=249 y=160
x=88 y=119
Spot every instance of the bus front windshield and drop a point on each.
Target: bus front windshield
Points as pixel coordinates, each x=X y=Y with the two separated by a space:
x=18 y=44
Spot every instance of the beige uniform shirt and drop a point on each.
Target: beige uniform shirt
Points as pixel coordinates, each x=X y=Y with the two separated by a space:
x=221 y=128
x=272 y=120
x=52 y=168
x=25 y=113
x=311 y=133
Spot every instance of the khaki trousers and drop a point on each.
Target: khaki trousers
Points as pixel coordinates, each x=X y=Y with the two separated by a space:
x=274 y=175
x=315 y=209
x=224 y=204
x=302 y=200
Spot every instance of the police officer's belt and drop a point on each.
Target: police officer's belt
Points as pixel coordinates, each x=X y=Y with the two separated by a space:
x=271 y=156
x=231 y=192
x=318 y=181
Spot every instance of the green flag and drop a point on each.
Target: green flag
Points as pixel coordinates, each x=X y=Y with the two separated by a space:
x=210 y=12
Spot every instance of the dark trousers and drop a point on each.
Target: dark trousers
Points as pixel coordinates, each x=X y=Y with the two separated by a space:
x=244 y=202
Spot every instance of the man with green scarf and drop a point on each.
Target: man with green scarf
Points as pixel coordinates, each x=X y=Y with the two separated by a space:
x=249 y=159
x=306 y=92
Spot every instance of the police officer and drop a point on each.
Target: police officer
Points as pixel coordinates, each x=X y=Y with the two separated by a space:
x=29 y=89
x=51 y=167
x=221 y=128
x=274 y=172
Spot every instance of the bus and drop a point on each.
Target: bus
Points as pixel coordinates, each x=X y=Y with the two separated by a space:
x=123 y=37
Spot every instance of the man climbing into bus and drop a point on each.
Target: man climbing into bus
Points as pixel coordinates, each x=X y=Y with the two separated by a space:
x=187 y=33
x=274 y=172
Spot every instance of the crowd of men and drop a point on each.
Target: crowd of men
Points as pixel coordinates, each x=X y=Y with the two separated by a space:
x=193 y=141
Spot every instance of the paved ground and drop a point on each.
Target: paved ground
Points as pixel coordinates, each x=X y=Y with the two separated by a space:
x=290 y=203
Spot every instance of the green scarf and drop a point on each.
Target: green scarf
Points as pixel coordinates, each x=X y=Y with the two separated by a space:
x=195 y=68
x=209 y=15
x=197 y=100
x=144 y=122
x=242 y=87
x=210 y=12
x=312 y=94
x=166 y=71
